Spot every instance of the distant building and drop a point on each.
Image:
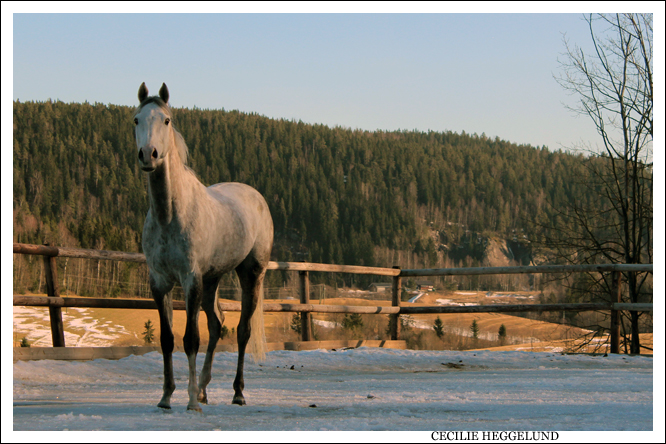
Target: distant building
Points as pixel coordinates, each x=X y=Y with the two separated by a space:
x=379 y=287
x=425 y=285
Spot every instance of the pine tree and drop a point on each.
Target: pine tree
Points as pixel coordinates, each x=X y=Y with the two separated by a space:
x=475 y=329
x=439 y=327
x=502 y=333
x=296 y=323
x=149 y=332
x=224 y=332
x=352 y=321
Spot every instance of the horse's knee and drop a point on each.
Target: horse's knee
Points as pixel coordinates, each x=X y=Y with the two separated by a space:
x=191 y=347
x=243 y=333
x=191 y=341
x=166 y=341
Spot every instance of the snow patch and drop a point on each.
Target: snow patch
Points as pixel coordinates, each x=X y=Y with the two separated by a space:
x=326 y=324
x=82 y=330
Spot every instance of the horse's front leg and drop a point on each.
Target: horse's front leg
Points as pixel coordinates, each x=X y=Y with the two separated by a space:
x=193 y=295
x=162 y=297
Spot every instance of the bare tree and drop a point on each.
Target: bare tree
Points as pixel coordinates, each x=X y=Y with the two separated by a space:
x=614 y=85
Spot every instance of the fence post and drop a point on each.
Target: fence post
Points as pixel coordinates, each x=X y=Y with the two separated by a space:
x=616 y=296
x=305 y=299
x=52 y=290
x=394 y=319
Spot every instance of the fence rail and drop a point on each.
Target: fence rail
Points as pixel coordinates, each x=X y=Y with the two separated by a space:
x=46 y=301
x=527 y=269
x=55 y=302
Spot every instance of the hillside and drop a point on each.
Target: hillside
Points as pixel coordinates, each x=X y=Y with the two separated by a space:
x=415 y=199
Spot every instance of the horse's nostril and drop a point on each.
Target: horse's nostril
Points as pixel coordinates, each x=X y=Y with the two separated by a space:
x=154 y=154
x=141 y=155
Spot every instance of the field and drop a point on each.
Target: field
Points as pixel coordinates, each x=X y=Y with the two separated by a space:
x=107 y=327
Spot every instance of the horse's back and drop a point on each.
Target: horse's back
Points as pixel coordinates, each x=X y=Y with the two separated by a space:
x=252 y=208
x=241 y=197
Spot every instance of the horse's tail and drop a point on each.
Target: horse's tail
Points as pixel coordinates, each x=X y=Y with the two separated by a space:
x=257 y=344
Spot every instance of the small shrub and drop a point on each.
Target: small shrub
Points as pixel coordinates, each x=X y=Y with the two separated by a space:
x=24 y=342
x=502 y=333
x=149 y=332
x=296 y=323
x=475 y=329
x=439 y=327
x=352 y=321
x=297 y=326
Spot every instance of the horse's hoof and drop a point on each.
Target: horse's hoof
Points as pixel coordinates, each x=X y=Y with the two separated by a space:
x=195 y=408
x=164 y=406
x=203 y=398
x=238 y=400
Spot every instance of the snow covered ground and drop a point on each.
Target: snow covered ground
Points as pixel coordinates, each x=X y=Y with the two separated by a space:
x=416 y=297
x=83 y=329
x=357 y=389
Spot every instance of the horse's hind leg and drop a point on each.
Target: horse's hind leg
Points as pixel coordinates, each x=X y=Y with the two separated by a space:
x=164 y=303
x=251 y=279
x=193 y=296
x=215 y=320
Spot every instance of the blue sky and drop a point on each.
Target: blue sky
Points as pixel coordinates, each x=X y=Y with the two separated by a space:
x=436 y=69
x=476 y=73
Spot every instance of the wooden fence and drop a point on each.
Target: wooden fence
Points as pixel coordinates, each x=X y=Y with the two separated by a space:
x=54 y=302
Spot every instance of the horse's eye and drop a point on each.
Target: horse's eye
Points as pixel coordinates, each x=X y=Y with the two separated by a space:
x=166 y=121
x=136 y=121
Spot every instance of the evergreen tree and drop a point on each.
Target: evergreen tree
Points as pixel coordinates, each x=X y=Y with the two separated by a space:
x=352 y=322
x=439 y=327
x=148 y=332
x=502 y=333
x=296 y=323
x=475 y=329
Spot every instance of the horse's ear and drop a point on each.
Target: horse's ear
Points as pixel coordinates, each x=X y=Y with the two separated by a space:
x=143 y=92
x=164 y=93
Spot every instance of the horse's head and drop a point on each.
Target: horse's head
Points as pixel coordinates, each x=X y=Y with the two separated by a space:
x=154 y=132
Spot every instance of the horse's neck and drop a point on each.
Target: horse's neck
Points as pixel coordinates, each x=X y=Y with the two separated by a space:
x=172 y=190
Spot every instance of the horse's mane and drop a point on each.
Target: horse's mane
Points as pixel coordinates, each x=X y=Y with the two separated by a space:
x=181 y=146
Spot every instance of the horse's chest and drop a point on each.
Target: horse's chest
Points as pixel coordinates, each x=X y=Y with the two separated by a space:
x=168 y=253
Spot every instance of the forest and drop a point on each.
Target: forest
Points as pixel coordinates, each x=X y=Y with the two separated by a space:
x=337 y=195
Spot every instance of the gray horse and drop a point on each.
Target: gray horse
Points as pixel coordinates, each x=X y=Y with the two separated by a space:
x=193 y=235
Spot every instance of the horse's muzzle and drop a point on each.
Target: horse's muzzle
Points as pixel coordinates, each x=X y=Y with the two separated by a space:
x=148 y=157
